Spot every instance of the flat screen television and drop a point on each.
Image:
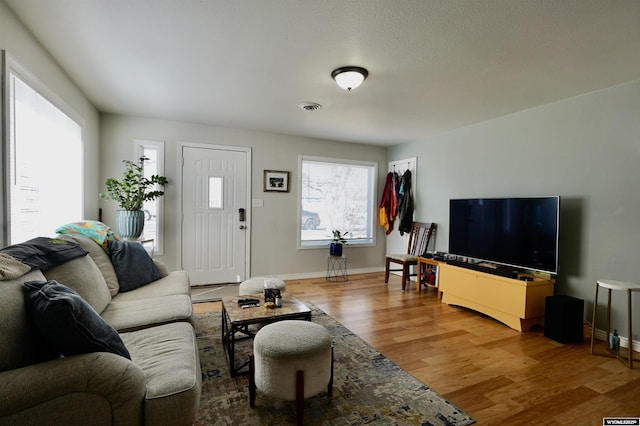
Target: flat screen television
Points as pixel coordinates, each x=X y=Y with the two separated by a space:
x=517 y=232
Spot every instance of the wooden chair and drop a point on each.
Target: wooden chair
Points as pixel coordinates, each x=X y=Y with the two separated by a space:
x=419 y=237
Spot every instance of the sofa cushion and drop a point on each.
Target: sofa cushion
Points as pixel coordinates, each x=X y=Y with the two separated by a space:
x=162 y=268
x=20 y=342
x=176 y=282
x=168 y=355
x=83 y=276
x=101 y=259
x=133 y=265
x=137 y=314
x=68 y=322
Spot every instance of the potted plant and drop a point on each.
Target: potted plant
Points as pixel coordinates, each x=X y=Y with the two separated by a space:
x=335 y=248
x=131 y=192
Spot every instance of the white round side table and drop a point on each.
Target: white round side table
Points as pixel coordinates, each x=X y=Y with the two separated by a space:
x=629 y=288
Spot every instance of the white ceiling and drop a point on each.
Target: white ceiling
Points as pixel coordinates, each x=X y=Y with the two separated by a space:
x=434 y=65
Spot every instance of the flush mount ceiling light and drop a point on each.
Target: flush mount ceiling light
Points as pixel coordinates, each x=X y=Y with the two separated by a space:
x=349 y=77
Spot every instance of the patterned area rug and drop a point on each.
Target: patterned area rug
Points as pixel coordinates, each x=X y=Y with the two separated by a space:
x=368 y=388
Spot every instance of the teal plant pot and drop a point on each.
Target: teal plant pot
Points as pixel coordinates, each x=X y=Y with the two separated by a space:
x=129 y=223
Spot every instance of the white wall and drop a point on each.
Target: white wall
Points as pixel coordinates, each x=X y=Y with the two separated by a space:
x=23 y=48
x=585 y=149
x=273 y=235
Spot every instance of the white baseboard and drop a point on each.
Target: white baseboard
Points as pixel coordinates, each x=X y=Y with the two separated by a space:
x=323 y=274
x=624 y=341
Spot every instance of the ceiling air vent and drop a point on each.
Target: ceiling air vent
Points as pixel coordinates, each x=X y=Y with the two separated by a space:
x=310 y=106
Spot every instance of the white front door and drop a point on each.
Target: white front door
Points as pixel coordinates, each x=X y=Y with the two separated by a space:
x=215 y=214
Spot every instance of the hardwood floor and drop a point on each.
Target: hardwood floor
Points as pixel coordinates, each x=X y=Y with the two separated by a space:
x=495 y=374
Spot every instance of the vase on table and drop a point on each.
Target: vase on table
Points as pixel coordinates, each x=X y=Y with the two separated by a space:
x=335 y=249
x=129 y=223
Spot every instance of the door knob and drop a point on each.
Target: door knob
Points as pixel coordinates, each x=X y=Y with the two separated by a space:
x=243 y=227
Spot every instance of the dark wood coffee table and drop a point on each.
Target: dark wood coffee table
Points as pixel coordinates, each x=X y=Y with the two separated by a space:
x=236 y=319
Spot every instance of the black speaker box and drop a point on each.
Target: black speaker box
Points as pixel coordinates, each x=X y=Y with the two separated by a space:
x=563 y=316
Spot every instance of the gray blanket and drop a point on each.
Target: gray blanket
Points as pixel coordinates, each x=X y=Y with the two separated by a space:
x=41 y=253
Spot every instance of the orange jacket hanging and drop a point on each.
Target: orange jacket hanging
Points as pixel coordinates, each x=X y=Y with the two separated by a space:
x=389 y=203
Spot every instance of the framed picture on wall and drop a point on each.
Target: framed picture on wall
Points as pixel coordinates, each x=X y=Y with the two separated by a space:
x=276 y=181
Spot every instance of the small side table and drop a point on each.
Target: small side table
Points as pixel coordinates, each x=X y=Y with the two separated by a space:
x=621 y=286
x=337 y=268
x=428 y=263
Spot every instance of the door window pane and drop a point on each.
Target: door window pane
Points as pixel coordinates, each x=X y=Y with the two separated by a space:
x=215 y=192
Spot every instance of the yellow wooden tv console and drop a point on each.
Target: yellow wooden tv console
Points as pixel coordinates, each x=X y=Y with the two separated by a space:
x=514 y=302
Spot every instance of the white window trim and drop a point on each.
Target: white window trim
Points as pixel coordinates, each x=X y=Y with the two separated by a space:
x=352 y=243
x=138 y=146
x=5 y=216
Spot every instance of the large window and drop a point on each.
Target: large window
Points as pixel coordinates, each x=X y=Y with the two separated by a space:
x=153 y=210
x=336 y=194
x=45 y=162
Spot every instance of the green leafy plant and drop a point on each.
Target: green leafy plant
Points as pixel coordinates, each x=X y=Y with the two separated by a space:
x=339 y=237
x=134 y=189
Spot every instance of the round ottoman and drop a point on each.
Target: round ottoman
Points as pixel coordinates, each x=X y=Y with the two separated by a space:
x=292 y=360
x=256 y=285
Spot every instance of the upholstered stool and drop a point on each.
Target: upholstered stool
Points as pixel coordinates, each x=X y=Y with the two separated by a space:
x=256 y=285
x=292 y=360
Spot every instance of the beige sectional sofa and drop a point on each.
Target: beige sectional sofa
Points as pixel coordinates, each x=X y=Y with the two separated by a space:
x=159 y=385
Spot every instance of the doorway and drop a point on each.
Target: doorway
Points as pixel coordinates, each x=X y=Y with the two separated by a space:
x=215 y=237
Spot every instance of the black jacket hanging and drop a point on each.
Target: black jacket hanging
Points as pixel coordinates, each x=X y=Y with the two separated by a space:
x=405 y=209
